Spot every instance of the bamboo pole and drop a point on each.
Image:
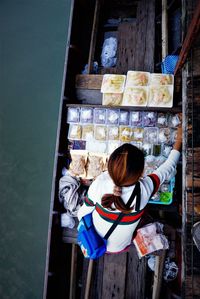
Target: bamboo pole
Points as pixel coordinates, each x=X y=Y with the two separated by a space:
x=164 y=29
x=88 y=281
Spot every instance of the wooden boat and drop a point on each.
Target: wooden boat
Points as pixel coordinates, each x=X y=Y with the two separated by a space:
x=137 y=26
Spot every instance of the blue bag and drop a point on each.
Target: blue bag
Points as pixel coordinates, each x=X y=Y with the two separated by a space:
x=92 y=245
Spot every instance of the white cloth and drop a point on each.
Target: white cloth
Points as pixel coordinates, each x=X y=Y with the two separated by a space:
x=122 y=235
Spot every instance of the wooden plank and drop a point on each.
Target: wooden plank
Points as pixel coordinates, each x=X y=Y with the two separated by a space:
x=72 y=294
x=164 y=29
x=94 y=35
x=126 y=47
x=89 y=278
x=189 y=39
x=158 y=275
x=89 y=81
x=114 y=276
x=145 y=39
x=135 y=280
x=96 y=288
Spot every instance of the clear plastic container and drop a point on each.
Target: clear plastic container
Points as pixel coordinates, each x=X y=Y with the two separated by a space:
x=164 y=136
x=112 y=99
x=161 y=79
x=99 y=116
x=162 y=120
x=86 y=115
x=138 y=134
x=151 y=135
x=166 y=150
x=73 y=115
x=112 y=116
x=87 y=132
x=100 y=132
x=124 y=117
x=147 y=149
x=174 y=120
x=149 y=118
x=136 y=118
x=113 y=133
x=135 y=78
x=161 y=96
x=75 y=131
x=126 y=134
x=113 y=83
x=135 y=96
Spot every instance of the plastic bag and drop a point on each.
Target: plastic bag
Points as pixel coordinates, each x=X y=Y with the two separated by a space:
x=108 y=55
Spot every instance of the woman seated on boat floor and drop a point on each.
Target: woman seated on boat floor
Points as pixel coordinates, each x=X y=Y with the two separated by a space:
x=111 y=190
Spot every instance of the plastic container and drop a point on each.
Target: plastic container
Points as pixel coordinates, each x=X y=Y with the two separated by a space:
x=113 y=133
x=100 y=132
x=161 y=96
x=164 y=135
x=124 y=117
x=135 y=96
x=136 y=118
x=162 y=120
x=87 y=132
x=112 y=116
x=86 y=115
x=125 y=134
x=113 y=83
x=151 y=135
x=135 y=78
x=99 y=116
x=149 y=119
x=75 y=131
x=73 y=115
x=112 y=99
x=138 y=134
x=165 y=193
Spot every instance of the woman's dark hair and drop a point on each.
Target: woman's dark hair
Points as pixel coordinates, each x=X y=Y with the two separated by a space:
x=125 y=166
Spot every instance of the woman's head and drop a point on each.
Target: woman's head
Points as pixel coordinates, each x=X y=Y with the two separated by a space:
x=126 y=165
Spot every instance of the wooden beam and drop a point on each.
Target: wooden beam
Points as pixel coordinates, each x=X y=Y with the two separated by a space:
x=72 y=294
x=94 y=35
x=189 y=39
x=164 y=29
x=158 y=275
x=89 y=81
x=89 y=278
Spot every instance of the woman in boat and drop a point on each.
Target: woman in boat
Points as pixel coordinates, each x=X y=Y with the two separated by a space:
x=110 y=192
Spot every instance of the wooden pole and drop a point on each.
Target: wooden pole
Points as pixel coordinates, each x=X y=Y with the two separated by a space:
x=72 y=294
x=93 y=35
x=164 y=29
x=158 y=275
x=89 y=277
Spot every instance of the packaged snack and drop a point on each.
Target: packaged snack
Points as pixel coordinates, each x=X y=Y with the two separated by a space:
x=75 y=131
x=166 y=150
x=138 y=144
x=161 y=96
x=124 y=117
x=96 y=146
x=136 y=118
x=174 y=120
x=147 y=149
x=87 y=132
x=149 y=119
x=135 y=96
x=73 y=115
x=164 y=135
x=173 y=135
x=162 y=120
x=112 y=99
x=113 y=83
x=78 y=162
x=137 y=78
x=78 y=144
x=138 y=134
x=125 y=133
x=151 y=135
x=112 y=145
x=95 y=164
x=112 y=116
x=99 y=116
x=113 y=133
x=161 y=79
x=87 y=115
x=157 y=150
x=100 y=132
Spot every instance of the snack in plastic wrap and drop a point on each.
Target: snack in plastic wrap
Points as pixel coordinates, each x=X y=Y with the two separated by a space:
x=99 y=116
x=75 y=131
x=149 y=239
x=113 y=133
x=161 y=79
x=87 y=115
x=161 y=96
x=137 y=78
x=87 y=132
x=73 y=115
x=164 y=135
x=95 y=164
x=151 y=135
x=149 y=119
x=147 y=149
x=174 y=120
x=100 y=132
x=135 y=96
x=166 y=150
x=124 y=117
x=112 y=99
x=138 y=144
x=78 y=162
x=157 y=149
x=173 y=135
x=78 y=144
x=112 y=145
x=138 y=134
x=162 y=120
x=136 y=118
x=125 y=133
x=113 y=83
x=96 y=146
x=112 y=116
